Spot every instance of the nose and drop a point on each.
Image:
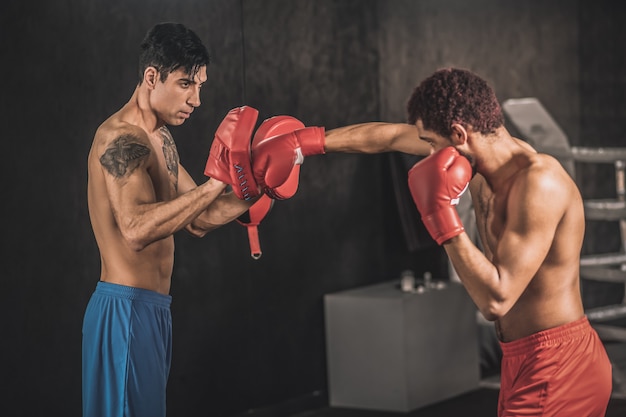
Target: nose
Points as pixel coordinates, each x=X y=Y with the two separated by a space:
x=194 y=98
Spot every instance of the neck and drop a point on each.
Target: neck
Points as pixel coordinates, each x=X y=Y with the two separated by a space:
x=494 y=158
x=146 y=116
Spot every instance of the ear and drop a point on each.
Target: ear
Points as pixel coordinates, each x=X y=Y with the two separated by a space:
x=151 y=77
x=459 y=134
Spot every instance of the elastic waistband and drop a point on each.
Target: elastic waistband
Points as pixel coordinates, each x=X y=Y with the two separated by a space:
x=132 y=293
x=547 y=337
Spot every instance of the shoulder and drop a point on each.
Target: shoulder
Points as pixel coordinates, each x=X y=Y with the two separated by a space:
x=543 y=179
x=545 y=168
x=116 y=135
x=121 y=147
x=114 y=130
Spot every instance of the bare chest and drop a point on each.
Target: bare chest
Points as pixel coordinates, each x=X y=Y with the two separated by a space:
x=490 y=216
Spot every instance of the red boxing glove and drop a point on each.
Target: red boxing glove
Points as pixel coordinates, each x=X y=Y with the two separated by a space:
x=270 y=128
x=273 y=161
x=289 y=140
x=436 y=184
x=312 y=140
x=229 y=158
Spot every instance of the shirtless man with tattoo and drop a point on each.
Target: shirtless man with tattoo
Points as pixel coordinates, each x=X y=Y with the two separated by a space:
x=139 y=195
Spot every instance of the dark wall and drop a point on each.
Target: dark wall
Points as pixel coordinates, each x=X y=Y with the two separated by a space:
x=523 y=48
x=602 y=64
x=603 y=106
x=250 y=334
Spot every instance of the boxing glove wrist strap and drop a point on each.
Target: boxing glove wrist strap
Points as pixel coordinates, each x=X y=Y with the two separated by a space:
x=312 y=140
x=447 y=217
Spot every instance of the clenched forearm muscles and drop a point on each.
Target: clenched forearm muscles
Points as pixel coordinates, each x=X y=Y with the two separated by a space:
x=222 y=209
x=142 y=222
x=226 y=208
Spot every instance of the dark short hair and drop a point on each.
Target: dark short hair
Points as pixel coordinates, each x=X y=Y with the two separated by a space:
x=170 y=46
x=451 y=96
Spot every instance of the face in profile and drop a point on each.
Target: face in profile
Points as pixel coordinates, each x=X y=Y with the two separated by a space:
x=176 y=98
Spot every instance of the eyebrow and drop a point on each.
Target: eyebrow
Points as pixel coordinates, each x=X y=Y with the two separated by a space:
x=190 y=81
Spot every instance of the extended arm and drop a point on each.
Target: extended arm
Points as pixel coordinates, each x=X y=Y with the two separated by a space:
x=376 y=137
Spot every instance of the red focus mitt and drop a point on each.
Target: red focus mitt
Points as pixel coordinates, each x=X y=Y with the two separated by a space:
x=251 y=219
x=229 y=158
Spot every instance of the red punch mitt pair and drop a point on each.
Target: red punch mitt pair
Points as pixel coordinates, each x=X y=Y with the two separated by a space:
x=269 y=164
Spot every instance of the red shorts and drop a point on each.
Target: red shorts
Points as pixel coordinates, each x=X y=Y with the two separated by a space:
x=563 y=371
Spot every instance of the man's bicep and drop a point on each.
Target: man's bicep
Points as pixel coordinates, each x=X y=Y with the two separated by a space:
x=128 y=182
x=529 y=231
x=136 y=189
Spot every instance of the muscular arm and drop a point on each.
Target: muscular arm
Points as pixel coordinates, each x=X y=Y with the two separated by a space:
x=142 y=219
x=376 y=137
x=224 y=209
x=495 y=285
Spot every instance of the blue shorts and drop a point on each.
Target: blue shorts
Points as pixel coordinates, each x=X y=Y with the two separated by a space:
x=127 y=351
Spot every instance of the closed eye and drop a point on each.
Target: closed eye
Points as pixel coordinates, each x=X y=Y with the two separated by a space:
x=430 y=142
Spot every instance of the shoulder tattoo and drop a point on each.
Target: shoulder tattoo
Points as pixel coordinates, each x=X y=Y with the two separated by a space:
x=170 y=152
x=123 y=156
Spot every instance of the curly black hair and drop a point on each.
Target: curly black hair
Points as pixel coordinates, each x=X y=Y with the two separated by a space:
x=453 y=95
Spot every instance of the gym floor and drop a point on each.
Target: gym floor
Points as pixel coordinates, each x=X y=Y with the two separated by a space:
x=482 y=402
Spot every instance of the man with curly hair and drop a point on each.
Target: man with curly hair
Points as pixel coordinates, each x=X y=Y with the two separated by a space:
x=529 y=214
x=530 y=219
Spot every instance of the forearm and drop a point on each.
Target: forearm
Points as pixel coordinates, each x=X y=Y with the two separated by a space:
x=154 y=221
x=376 y=137
x=224 y=209
x=478 y=274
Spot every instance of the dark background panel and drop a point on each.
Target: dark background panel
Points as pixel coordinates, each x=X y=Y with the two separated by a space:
x=602 y=108
x=249 y=334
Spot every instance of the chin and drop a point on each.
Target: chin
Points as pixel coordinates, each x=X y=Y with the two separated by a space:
x=471 y=160
x=176 y=121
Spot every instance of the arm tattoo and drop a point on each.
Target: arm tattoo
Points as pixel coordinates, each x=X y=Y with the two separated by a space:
x=170 y=152
x=123 y=156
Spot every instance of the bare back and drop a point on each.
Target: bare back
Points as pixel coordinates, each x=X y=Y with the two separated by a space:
x=128 y=168
x=532 y=229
